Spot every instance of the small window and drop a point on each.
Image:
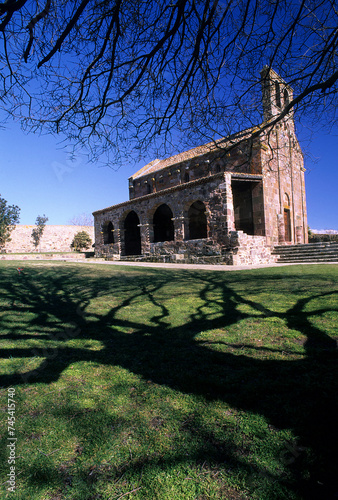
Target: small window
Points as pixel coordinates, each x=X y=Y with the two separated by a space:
x=286 y=200
x=218 y=168
x=149 y=188
x=186 y=177
x=277 y=90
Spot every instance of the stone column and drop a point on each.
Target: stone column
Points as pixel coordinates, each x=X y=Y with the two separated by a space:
x=117 y=240
x=145 y=239
x=229 y=204
x=227 y=217
x=179 y=226
x=122 y=245
x=298 y=230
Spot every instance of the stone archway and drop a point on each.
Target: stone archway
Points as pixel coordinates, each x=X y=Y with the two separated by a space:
x=132 y=235
x=108 y=233
x=163 y=224
x=197 y=221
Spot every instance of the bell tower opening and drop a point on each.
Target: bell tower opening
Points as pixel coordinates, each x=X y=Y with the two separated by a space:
x=276 y=93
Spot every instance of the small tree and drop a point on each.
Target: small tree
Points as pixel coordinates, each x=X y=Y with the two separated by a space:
x=39 y=229
x=81 y=241
x=9 y=216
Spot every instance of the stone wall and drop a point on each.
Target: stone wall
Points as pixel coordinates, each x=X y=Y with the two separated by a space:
x=245 y=249
x=238 y=249
x=54 y=238
x=284 y=186
x=183 y=168
x=214 y=191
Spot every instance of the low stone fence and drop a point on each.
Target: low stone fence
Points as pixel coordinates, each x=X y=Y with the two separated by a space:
x=238 y=249
x=54 y=238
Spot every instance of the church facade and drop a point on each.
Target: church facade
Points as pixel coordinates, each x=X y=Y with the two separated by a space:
x=229 y=201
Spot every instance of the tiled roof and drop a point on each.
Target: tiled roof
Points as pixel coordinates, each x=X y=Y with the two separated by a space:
x=156 y=165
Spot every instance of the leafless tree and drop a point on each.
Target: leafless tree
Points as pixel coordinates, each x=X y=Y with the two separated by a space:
x=83 y=219
x=120 y=76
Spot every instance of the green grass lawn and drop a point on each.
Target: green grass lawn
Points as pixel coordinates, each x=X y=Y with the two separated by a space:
x=141 y=383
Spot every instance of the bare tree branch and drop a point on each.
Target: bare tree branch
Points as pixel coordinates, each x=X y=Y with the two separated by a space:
x=30 y=28
x=122 y=75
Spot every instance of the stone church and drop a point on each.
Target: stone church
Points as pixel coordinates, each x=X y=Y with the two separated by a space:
x=230 y=201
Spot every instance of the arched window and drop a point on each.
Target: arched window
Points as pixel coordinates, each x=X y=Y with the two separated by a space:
x=186 y=177
x=197 y=221
x=132 y=235
x=163 y=224
x=277 y=91
x=286 y=97
x=286 y=200
x=108 y=233
x=218 y=168
x=149 y=188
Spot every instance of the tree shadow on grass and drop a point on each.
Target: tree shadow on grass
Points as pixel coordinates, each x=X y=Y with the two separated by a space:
x=297 y=394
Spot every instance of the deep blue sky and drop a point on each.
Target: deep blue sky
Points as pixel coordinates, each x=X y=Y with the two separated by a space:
x=35 y=174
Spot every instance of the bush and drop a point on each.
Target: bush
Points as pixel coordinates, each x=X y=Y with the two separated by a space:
x=81 y=241
x=316 y=238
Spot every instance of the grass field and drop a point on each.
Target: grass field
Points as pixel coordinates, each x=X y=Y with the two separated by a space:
x=142 y=383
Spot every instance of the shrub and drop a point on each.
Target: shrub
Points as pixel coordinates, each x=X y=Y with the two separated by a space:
x=316 y=238
x=81 y=241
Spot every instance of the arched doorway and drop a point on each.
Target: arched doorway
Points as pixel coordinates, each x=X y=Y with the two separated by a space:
x=163 y=224
x=132 y=235
x=197 y=221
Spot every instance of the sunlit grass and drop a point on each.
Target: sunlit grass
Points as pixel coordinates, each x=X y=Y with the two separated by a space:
x=162 y=384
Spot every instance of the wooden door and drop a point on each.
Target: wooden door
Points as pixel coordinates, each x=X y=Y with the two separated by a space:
x=287 y=225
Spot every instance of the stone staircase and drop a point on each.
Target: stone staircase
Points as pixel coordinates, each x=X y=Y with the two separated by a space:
x=310 y=252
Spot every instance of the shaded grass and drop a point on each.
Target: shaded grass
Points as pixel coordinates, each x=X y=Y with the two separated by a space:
x=143 y=383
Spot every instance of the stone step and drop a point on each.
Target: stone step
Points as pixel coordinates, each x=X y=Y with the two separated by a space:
x=309 y=246
x=308 y=259
x=307 y=252
x=317 y=251
x=311 y=252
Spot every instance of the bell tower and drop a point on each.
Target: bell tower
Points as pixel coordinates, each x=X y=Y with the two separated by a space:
x=276 y=94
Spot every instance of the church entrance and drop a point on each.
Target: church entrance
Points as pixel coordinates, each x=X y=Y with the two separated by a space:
x=132 y=235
